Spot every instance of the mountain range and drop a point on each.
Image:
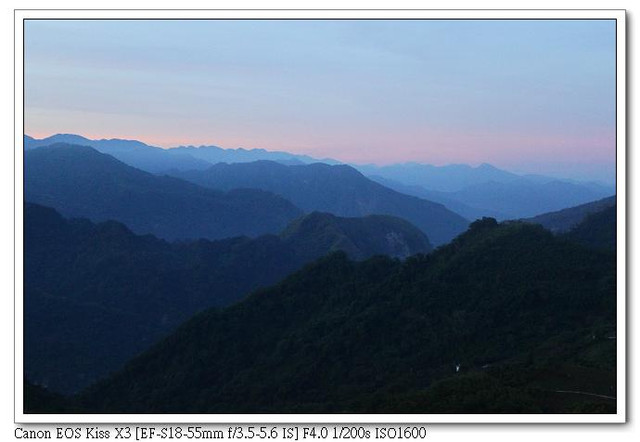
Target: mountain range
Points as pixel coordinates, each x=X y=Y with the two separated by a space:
x=475 y=326
x=338 y=189
x=515 y=197
x=524 y=198
x=215 y=154
x=99 y=286
x=158 y=281
x=158 y=160
x=472 y=192
x=134 y=153
x=449 y=178
x=444 y=198
x=456 y=177
x=81 y=182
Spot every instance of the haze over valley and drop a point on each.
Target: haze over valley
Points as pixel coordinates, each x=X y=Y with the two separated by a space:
x=472 y=192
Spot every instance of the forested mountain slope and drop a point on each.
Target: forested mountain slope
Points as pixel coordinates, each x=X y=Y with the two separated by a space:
x=340 y=336
x=97 y=294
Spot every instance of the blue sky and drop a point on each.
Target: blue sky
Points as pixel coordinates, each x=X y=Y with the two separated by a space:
x=533 y=96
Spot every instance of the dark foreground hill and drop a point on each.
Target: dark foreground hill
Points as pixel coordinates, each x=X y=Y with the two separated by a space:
x=523 y=315
x=97 y=294
x=81 y=182
x=337 y=189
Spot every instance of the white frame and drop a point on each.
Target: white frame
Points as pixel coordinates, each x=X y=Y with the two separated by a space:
x=618 y=15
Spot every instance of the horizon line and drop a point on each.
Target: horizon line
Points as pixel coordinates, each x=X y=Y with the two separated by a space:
x=474 y=165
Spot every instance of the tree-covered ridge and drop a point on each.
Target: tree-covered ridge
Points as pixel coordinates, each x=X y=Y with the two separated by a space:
x=81 y=182
x=360 y=237
x=341 y=336
x=99 y=286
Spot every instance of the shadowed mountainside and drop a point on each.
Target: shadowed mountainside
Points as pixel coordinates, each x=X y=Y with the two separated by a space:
x=597 y=230
x=318 y=233
x=375 y=336
x=81 y=182
x=566 y=219
x=97 y=294
x=340 y=190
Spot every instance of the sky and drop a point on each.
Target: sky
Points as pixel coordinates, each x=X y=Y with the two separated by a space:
x=532 y=96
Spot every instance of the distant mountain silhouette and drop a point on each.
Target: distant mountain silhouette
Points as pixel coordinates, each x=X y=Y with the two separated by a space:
x=444 y=198
x=526 y=199
x=97 y=294
x=215 y=154
x=377 y=336
x=564 y=220
x=476 y=192
x=81 y=182
x=134 y=153
x=157 y=160
x=448 y=178
x=340 y=190
x=472 y=192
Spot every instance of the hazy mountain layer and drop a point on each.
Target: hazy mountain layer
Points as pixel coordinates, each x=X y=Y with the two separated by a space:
x=523 y=199
x=472 y=192
x=158 y=160
x=81 y=182
x=475 y=192
x=97 y=294
x=340 y=190
x=448 y=178
x=134 y=153
x=215 y=154
x=444 y=198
